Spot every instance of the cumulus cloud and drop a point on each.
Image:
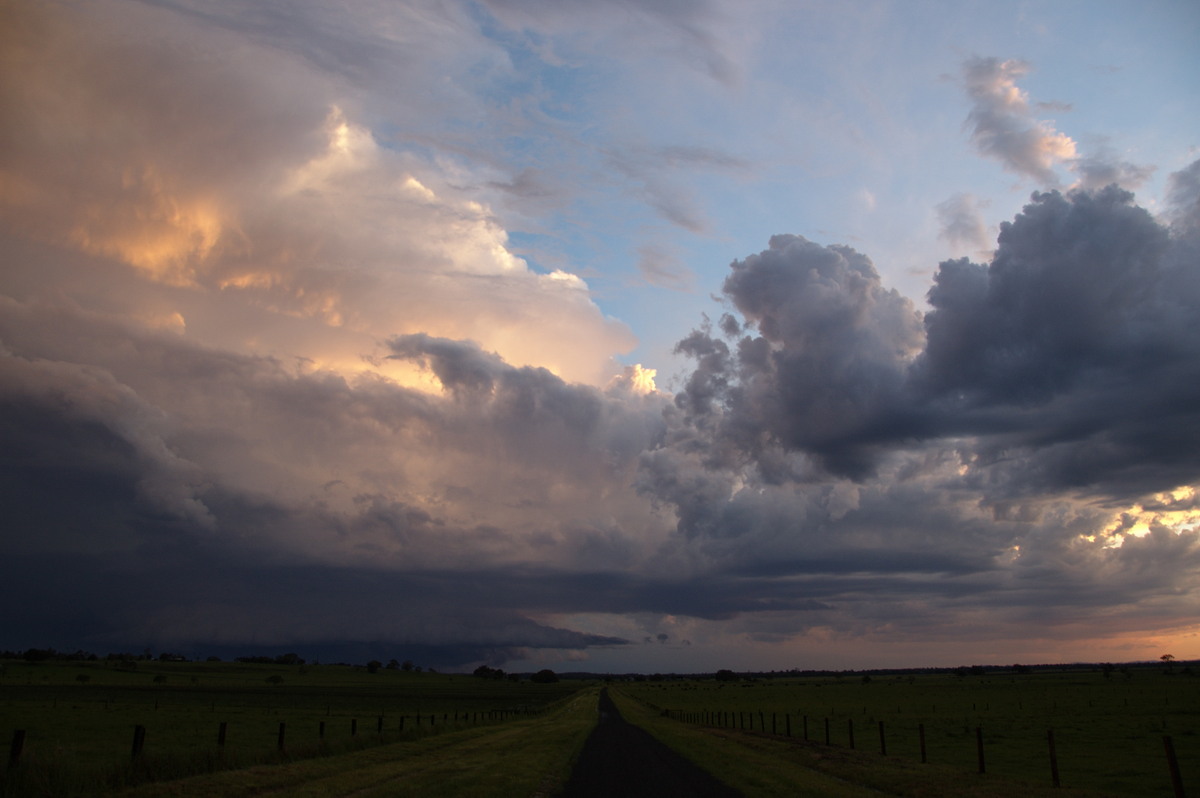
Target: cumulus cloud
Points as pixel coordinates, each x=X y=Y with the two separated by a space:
x=1003 y=126
x=822 y=361
x=1036 y=416
x=289 y=203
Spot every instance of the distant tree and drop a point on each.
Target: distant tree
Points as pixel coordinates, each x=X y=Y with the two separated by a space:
x=726 y=675
x=373 y=666
x=393 y=665
x=1169 y=661
x=1022 y=669
x=407 y=665
x=544 y=676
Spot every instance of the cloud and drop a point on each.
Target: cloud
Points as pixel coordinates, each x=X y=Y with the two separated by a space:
x=825 y=365
x=1103 y=169
x=1033 y=417
x=661 y=268
x=288 y=203
x=1002 y=125
x=1184 y=197
x=961 y=222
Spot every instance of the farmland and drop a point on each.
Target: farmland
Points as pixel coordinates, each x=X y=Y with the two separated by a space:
x=1108 y=730
x=79 y=718
x=340 y=730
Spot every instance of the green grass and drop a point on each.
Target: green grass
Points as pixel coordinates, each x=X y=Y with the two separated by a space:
x=527 y=757
x=766 y=766
x=1108 y=732
x=81 y=732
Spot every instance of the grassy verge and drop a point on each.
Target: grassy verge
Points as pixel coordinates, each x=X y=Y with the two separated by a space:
x=765 y=767
x=530 y=757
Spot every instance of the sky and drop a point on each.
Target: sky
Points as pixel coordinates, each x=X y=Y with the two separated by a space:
x=617 y=335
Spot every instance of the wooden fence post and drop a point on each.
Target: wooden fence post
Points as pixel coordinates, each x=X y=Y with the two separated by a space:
x=882 y=741
x=139 y=740
x=354 y=727
x=321 y=731
x=1173 y=765
x=826 y=731
x=282 y=727
x=18 y=745
x=221 y=729
x=379 y=726
x=788 y=723
x=921 y=733
x=850 y=724
x=1053 y=757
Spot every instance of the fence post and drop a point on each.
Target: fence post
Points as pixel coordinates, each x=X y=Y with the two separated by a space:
x=139 y=740
x=1173 y=764
x=18 y=745
x=787 y=721
x=221 y=729
x=806 y=728
x=850 y=724
x=321 y=731
x=1053 y=757
x=921 y=733
x=354 y=727
x=979 y=747
x=379 y=726
x=282 y=727
x=826 y=731
x=773 y=729
x=882 y=741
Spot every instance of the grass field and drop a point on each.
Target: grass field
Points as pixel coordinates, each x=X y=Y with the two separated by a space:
x=79 y=731
x=1108 y=731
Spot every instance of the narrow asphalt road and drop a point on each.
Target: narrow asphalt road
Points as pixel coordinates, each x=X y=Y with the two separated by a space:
x=620 y=760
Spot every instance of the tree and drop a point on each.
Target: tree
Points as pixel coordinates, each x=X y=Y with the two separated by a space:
x=407 y=665
x=544 y=676
x=373 y=666
x=726 y=675
x=1169 y=661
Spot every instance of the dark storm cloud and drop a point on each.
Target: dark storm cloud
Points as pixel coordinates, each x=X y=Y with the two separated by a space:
x=1071 y=346
x=826 y=366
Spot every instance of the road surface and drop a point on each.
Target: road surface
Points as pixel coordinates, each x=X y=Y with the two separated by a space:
x=620 y=760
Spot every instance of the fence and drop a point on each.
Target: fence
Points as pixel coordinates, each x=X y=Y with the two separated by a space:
x=744 y=722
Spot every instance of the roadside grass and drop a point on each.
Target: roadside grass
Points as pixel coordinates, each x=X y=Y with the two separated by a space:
x=1108 y=730
x=79 y=732
x=765 y=766
x=527 y=757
